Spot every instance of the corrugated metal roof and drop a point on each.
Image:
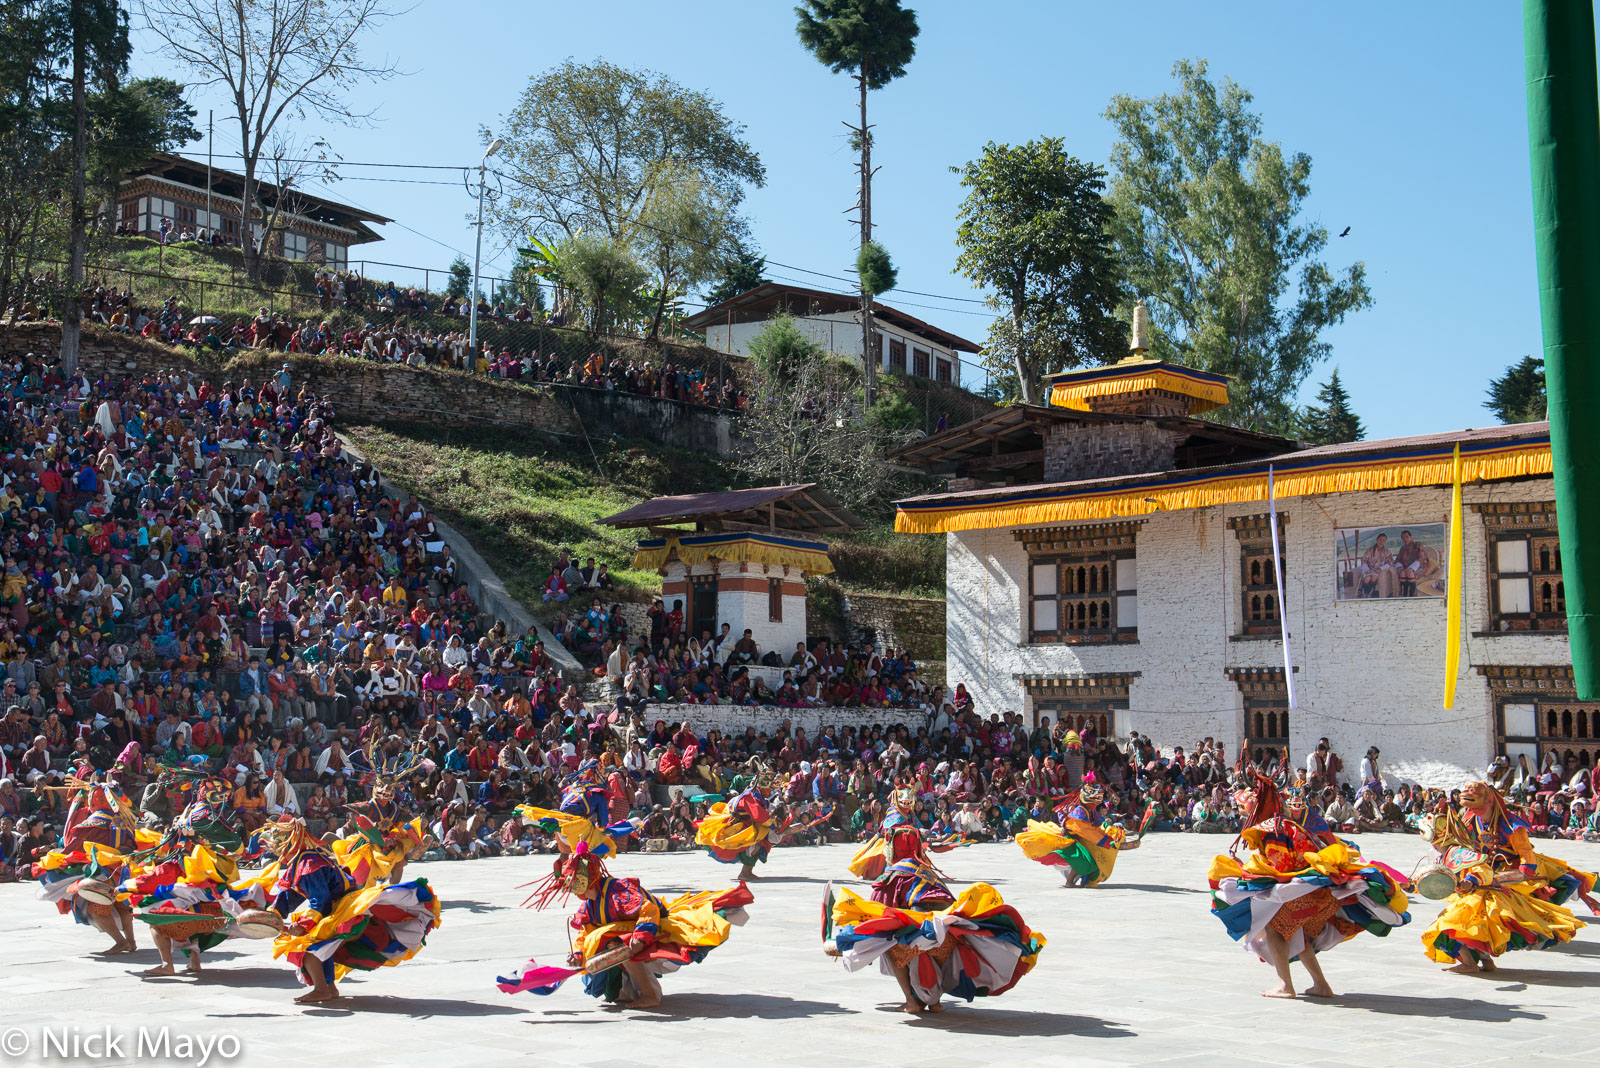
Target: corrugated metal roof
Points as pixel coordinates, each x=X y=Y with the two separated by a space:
x=805 y=507
x=1510 y=432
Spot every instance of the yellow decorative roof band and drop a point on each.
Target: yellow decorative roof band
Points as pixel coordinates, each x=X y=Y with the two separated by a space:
x=1074 y=393
x=1430 y=466
x=738 y=546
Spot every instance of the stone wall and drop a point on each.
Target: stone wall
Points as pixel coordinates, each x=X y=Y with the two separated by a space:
x=1367 y=672
x=366 y=391
x=1074 y=451
x=733 y=719
x=915 y=624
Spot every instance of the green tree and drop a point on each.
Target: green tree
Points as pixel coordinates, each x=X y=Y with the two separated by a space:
x=687 y=225
x=606 y=277
x=875 y=269
x=460 y=278
x=872 y=41
x=88 y=40
x=1034 y=229
x=1209 y=232
x=1331 y=421
x=739 y=273
x=589 y=144
x=1518 y=396
x=277 y=62
x=781 y=348
x=804 y=420
x=33 y=170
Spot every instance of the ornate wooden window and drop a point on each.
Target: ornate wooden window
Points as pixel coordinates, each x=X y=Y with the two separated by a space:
x=1080 y=701
x=1526 y=591
x=1082 y=584
x=1266 y=711
x=1259 y=610
x=775 y=600
x=1536 y=712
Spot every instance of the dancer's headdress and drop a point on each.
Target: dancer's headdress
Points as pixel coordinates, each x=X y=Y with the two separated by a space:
x=572 y=873
x=289 y=840
x=1091 y=793
x=905 y=799
x=385 y=771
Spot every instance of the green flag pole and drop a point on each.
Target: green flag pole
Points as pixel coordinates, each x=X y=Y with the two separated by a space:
x=1564 y=142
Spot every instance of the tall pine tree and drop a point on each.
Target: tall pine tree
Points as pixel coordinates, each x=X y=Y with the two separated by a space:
x=741 y=273
x=1518 y=396
x=1331 y=421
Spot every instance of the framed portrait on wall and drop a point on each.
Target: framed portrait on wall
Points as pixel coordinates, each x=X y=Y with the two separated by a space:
x=1386 y=563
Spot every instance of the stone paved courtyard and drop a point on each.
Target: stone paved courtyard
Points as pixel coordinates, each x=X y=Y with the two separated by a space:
x=1135 y=973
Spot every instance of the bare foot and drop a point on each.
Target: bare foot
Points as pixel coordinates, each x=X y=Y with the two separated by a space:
x=312 y=996
x=121 y=947
x=1279 y=992
x=159 y=969
x=641 y=1003
x=913 y=1007
x=1320 y=990
x=193 y=968
x=1464 y=968
x=1487 y=964
x=935 y=1007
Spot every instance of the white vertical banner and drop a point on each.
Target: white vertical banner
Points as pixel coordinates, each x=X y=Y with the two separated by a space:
x=1277 y=573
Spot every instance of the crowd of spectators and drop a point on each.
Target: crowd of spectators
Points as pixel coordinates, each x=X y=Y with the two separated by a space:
x=399 y=335
x=196 y=573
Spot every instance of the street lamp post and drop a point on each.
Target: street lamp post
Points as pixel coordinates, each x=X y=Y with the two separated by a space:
x=477 y=256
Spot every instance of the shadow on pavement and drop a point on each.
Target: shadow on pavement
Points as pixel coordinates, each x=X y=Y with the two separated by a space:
x=709 y=1006
x=468 y=905
x=1541 y=978
x=1451 y=1008
x=1151 y=888
x=983 y=1020
x=282 y=976
x=422 y=1008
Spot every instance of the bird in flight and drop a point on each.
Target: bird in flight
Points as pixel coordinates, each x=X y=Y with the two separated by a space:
x=1345 y=231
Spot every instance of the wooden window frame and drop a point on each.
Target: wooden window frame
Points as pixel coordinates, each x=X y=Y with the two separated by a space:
x=1259 y=610
x=774 y=600
x=1546 y=589
x=897 y=355
x=921 y=362
x=942 y=371
x=1266 y=727
x=1088 y=574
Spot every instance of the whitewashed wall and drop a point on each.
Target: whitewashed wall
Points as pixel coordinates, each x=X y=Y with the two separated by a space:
x=1368 y=672
x=840 y=334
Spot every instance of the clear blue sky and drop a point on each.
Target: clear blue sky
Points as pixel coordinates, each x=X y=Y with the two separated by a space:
x=1413 y=114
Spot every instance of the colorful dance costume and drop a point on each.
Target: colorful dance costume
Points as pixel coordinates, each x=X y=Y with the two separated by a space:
x=385 y=839
x=1313 y=889
x=583 y=815
x=970 y=946
x=348 y=927
x=662 y=936
x=873 y=857
x=740 y=831
x=1485 y=917
x=185 y=888
x=1501 y=834
x=1087 y=850
x=101 y=833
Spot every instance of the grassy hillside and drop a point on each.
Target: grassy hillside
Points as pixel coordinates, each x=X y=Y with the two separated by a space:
x=521 y=501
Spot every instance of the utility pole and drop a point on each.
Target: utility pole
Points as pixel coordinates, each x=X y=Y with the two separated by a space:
x=210 y=129
x=477 y=256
